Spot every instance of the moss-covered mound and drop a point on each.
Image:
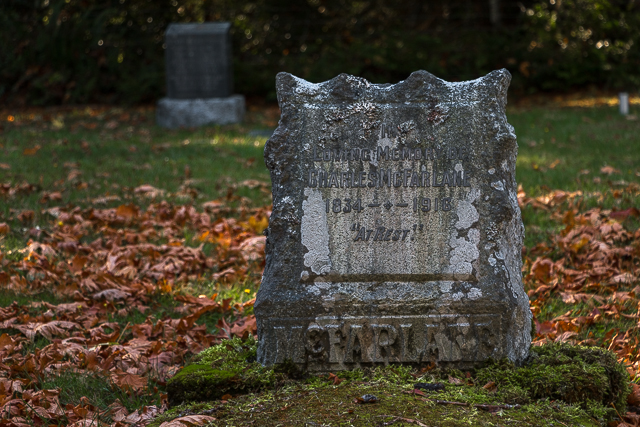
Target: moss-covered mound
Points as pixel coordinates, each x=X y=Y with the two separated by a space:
x=573 y=374
x=586 y=377
x=227 y=368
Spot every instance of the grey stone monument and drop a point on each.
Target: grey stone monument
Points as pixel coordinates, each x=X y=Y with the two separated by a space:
x=199 y=77
x=396 y=234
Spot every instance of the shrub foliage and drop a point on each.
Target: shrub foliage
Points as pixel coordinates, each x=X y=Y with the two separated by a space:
x=72 y=51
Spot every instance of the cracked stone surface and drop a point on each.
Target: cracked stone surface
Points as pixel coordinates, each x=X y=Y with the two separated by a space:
x=396 y=234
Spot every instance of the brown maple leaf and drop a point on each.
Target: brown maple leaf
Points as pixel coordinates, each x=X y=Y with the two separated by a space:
x=26 y=216
x=77 y=263
x=335 y=379
x=129 y=211
x=47 y=330
x=252 y=249
x=7 y=343
x=244 y=326
x=110 y=295
x=542 y=269
x=608 y=170
x=129 y=382
x=491 y=387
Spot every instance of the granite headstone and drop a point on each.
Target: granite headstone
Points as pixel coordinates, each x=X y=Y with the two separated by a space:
x=199 y=76
x=396 y=234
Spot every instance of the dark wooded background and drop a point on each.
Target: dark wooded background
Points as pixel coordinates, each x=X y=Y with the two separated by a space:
x=111 y=51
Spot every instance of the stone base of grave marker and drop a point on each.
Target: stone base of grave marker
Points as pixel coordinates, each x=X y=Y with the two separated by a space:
x=175 y=113
x=395 y=235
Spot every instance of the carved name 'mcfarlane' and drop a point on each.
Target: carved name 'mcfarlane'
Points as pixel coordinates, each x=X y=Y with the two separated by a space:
x=352 y=341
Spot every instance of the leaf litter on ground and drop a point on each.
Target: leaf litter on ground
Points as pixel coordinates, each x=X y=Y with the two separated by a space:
x=104 y=264
x=108 y=262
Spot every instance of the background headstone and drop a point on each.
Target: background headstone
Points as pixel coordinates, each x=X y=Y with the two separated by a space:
x=396 y=234
x=199 y=70
x=198 y=60
x=623 y=101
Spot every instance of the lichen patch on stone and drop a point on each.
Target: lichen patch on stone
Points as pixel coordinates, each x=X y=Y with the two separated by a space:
x=467 y=213
x=315 y=232
x=463 y=252
x=498 y=185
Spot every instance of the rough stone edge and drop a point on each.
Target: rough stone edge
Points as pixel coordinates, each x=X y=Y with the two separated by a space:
x=175 y=113
x=517 y=344
x=345 y=88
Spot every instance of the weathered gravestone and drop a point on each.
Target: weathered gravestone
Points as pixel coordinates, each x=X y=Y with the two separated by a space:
x=396 y=234
x=199 y=77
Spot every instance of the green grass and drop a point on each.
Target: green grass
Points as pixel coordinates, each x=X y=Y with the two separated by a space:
x=564 y=149
x=576 y=140
x=7 y=297
x=98 y=388
x=113 y=162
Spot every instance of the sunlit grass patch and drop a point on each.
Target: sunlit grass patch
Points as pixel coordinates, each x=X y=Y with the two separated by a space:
x=12 y=247
x=566 y=148
x=101 y=160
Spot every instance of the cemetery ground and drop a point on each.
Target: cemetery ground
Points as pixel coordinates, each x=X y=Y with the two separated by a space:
x=126 y=249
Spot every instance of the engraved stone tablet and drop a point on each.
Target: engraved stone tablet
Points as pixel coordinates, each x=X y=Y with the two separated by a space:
x=198 y=60
x=395 y=235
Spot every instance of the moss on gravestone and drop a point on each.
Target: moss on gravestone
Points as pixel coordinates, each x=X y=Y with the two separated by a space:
x=588 y=376
x=226 y=368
